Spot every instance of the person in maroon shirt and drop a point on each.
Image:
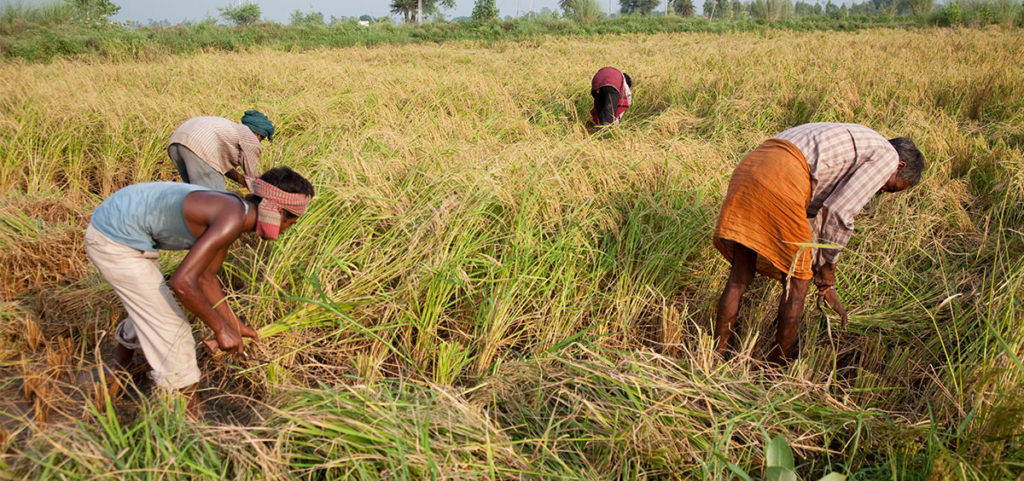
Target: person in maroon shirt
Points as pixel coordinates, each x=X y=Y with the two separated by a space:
x=612 y=95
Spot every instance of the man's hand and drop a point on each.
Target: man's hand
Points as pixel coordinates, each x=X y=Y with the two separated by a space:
x=825 y=276
x=247 y=331
x=831 y=298
x=244 y=330
x=228 y=340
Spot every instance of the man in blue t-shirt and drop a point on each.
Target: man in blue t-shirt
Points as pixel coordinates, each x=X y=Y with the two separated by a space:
x=123 y=241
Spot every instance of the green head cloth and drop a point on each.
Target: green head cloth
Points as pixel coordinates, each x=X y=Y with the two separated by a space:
x=259 y=123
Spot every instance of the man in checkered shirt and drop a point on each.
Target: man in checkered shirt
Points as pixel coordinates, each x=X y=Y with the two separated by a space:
x=803 y=186
x=207 y=149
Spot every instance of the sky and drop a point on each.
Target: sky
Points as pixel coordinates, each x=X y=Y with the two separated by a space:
x=279 y=10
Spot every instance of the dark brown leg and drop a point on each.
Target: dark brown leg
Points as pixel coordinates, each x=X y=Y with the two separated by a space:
x=791 y=311
x=191 y=394
x=742 y=272
x=123 y=357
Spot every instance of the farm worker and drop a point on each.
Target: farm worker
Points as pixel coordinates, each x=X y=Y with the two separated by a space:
x=205 y=149
x=612 y=95
x=805 y=185
x=123 y=241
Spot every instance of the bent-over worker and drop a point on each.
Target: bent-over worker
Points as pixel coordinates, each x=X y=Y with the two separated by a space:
x=123 y=241
x=803 y=186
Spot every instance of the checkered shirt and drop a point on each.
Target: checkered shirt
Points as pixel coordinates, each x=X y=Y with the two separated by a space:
x=221 y=143
x=849 y=163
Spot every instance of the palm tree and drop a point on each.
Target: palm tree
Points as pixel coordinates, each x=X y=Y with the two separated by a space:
x=684 y=8
x=408 y=8
x=566 y=6
x=405 y=8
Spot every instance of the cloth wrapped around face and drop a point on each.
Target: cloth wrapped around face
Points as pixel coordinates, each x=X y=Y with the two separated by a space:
x=275 y=201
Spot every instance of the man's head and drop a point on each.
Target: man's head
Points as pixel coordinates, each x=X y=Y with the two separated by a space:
x=908 y=172
x=281 y=195
x=259 y=124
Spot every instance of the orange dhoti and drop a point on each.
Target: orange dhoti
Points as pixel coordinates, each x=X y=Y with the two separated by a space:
x=766 y=210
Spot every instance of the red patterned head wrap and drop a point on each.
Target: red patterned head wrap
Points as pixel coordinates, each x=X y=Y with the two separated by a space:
x=268 y=218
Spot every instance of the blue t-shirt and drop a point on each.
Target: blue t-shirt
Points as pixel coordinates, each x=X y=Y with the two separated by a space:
x=149 y=216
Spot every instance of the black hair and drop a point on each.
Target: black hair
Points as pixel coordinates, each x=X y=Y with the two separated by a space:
x=606 y=99
x=629 y=81
x=286 y=179
x=911 y=157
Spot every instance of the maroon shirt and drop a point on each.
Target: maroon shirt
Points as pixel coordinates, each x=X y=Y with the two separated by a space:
x=611 y=76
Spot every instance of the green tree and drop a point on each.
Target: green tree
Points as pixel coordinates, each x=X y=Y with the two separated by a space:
x=739 y=10
x=407 y=8
x=921 y=8
x=771 y=10
x=247 y=14
x=566 y=6
x=311 y=18
x=709 y=9
x=484 y=10
x=952 y=14
x=723 y=9
x=583 y=11
x=93 y=11
x=831 y=9
x=638 y=7
x=684 y=8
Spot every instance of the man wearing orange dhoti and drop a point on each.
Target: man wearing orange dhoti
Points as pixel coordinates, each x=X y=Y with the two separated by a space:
x=803 y=186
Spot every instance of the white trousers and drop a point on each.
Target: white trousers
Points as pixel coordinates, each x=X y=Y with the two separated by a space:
x=155 y=322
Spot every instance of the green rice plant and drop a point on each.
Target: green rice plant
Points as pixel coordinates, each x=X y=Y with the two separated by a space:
x=476 y=257
x=160 y=444
x=404 y=431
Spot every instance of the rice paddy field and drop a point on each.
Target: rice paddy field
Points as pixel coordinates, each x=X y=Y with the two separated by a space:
x=487 y=288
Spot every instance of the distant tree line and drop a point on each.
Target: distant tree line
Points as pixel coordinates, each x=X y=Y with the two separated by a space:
x=77 y=27
x=990 y=11
x=98 y=12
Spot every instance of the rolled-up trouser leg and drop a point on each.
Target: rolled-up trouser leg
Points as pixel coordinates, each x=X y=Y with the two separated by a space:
x=194 y=170
x=153 y=313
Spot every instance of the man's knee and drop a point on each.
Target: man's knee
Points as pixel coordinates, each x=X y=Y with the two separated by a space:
x=741 y=275
x=738 y=283
x=798 y=289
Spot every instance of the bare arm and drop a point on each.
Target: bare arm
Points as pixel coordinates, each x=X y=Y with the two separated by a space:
x=234 y=175
x=214 y=292
x=223 y=218
x=825 y=276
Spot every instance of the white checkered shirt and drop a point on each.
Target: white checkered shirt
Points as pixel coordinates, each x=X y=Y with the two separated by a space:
x=221 y=143
x=849 y=164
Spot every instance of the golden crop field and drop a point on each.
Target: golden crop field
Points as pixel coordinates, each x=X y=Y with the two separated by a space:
x=486 y=287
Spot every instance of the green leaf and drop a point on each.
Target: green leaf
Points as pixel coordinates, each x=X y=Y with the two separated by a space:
x=815 y=244
x=833 y=476
x=738 y=471
x=775 y=473
x=777 y=454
